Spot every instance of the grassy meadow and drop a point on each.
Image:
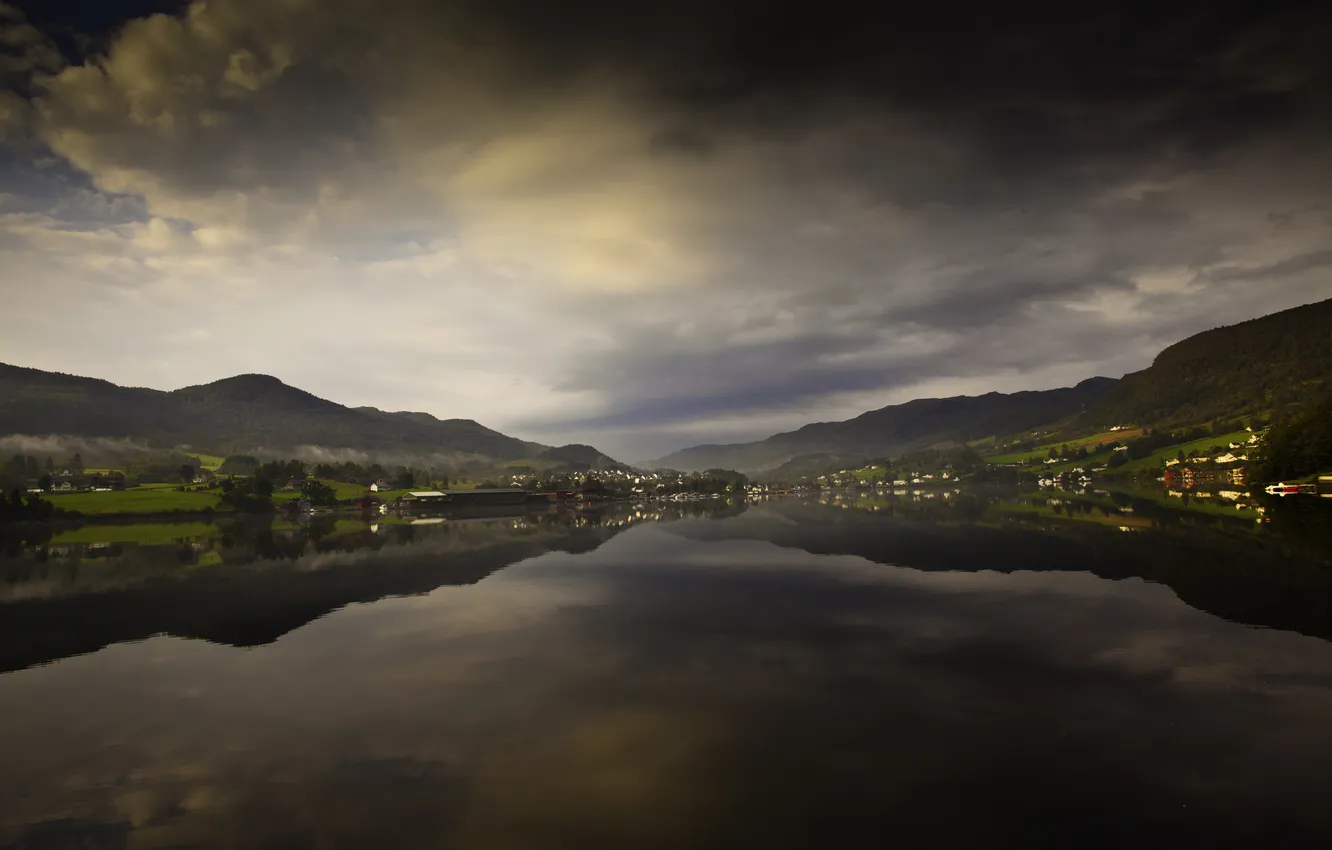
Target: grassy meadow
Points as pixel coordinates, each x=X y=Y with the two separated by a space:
x=145 y=500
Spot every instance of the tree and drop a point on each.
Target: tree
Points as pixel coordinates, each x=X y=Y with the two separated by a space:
x=76 y=463
x=319 y=493
x=45 y=482
x=49 y=465
x=186 y=473
x=1298 y=446
x=1117 y=459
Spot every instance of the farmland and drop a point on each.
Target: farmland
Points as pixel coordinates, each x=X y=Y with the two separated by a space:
x=1089 y=443
x=1158 y=458
x=139 y=500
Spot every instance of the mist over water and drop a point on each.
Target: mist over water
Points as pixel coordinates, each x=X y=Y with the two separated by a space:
x=969 y=670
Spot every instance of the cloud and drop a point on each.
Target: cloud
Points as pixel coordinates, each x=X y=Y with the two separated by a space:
x=599 y=224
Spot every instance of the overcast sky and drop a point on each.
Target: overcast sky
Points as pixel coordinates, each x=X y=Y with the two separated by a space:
x=654 y=224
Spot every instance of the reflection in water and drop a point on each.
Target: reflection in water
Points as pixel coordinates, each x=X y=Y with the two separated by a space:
x=970 y=670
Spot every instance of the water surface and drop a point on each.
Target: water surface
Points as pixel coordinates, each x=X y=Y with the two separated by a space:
x=959 y=671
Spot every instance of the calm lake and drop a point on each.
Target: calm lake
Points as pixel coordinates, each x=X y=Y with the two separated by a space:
x=943 y=670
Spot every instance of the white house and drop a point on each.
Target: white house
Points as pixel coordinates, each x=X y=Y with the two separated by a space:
x=1226 y=458
x=1174 y=461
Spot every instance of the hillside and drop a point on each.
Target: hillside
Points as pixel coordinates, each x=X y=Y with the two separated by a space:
x=238 y=414
x=901 y=428
x=1251 y=367
x=580 y=455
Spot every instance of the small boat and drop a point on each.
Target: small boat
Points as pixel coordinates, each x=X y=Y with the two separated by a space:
x=1281 y=489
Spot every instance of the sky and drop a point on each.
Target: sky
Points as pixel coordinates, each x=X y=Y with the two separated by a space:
x=650 y=225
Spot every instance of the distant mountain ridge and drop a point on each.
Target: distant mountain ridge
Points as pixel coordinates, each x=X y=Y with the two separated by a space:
x=901 y=428
x=1255 y=366
x=240 y=413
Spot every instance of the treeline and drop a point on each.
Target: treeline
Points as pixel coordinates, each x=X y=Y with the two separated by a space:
x=24 y=471
x=281 y=471
x=1255 y=366
x=21 y=507
x=1298 y=446
x=27 y=471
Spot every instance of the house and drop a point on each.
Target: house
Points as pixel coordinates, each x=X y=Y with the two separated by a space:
x=374 y=488
x=1121 y=448
x=423 y=497
x=1174 y=461
x=1225 y=458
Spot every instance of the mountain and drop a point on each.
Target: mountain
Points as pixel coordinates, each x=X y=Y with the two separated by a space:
x=259 y=603
x=1258 y=366
x=238 y=414
x=901 y=428
x=1252 y=367
x=579 y=455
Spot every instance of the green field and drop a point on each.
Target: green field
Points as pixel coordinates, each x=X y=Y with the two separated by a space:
x=1158 y=458
x=1155 y=460
x=1043 y=452
x=141 y=501
x=145 y=533
x=342 y=491
x=209 y=462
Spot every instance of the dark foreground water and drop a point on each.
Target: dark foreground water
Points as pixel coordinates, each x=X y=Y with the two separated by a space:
x=968 y=671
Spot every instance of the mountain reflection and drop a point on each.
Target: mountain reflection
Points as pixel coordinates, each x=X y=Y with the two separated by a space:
x=962 y=671
x=247 y=583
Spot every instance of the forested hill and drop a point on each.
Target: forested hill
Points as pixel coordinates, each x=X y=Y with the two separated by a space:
x=579 y=455
x=1255 y=366
x=234 y=414
x=902 y=427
